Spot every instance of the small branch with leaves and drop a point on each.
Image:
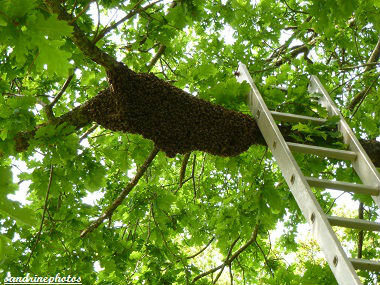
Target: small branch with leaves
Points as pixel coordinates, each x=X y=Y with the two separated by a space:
x=232 y=258
x=135 y=10
x=38 y=235
x=117 y=202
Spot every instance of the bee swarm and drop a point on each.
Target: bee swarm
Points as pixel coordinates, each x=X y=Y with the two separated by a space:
x=173 y=119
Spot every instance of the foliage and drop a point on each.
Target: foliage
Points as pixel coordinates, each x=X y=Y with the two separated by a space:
x=169 y=229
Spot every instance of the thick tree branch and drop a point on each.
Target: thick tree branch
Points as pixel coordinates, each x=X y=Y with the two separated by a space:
x=108 y=213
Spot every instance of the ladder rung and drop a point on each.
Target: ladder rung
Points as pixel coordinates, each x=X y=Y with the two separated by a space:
x=365 y=264
x=292 y=118
x=344 y=186
x=354 y=223
x=323 y=151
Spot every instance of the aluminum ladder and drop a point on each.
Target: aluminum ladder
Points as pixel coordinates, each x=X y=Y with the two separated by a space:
x=321 y=224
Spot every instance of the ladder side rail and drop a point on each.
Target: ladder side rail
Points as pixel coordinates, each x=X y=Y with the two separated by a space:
x=312 y=211
x=363 y=164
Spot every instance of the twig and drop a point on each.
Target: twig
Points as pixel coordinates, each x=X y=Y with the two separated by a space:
x=163 y=236
x=132 y=13
x=356 y=46
x=228 y=256
x=98 y=22
x=88 y=132
x=233 y=257
x=81 y=12
x=80 y=39
x=333 y=202
x=242 y=270
x=374 y=57
x=231 y=276
x=116 y=203
x=359 y=66
x=193 y=175
x=363 y=95
x=361 y=232
x=154 y=60
x=345 y=82
x=293 y=10
x=202 y=250
x=183 y=169
x=265 y=258
x=149 y=219
x=64 y=87
x=38 y=236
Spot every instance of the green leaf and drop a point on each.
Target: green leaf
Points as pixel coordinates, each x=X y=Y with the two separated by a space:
x=52 y=27
x=22 y=215
x=6 y=180
x=95 y=178
x=177 y=17
x=135 y=255
x=6 y=249
x=206 y=70
x=17 y=8
x=55 y=59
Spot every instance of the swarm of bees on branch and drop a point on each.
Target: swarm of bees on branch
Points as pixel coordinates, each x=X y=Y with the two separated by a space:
x=174 y=120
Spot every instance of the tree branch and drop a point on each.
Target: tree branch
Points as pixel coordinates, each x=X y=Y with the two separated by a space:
x=361 y=65
x=81 y=12
x=293 y=10
x=38 y=236
x=364 y=94
x=295 y=52
x=108 y=213
x=361 y=232
x=265 y=258
x=64 y=87
x=132 y=13
x=182 y=173
x=233 y=257
x=372 y=59
x=88 y=132
x=154 y=60
x=202 y=250
x=228 y=256
x=80 y=39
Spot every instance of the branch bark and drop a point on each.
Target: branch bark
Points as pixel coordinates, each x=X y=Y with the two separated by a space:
x=108 y=213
